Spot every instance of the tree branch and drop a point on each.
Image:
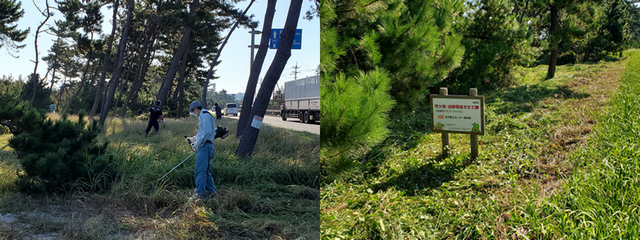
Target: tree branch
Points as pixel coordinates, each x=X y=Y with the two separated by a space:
x=14 y=130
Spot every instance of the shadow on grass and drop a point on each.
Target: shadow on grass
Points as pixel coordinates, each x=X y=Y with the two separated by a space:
x=428 y=176
x=521 y=98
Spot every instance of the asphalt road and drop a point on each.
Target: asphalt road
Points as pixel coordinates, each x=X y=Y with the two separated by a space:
x=291 y=123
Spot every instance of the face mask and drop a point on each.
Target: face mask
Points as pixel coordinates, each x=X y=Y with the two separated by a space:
x=193 y=114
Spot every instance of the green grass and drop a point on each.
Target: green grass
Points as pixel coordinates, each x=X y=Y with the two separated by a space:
x=403 y=189
x=271 y=194
x=602 y=199
x=8 y=165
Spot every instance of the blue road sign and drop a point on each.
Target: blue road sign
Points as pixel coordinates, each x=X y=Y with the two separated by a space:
x=274 y=41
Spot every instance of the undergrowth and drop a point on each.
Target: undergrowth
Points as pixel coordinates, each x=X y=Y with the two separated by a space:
x=601 y=200
x=271 y=194
x=404 y=189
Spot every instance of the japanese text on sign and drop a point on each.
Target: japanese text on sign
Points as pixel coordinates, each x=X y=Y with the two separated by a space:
x=461 y=115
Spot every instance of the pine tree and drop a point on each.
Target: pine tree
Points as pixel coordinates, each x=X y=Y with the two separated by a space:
x=10 y=13
x=85 y=17
x=354 y=112
x=119 y=62
x=633 y=24
x=43 y=93
x=250 y=134
x=57 y=156
x=615 y=25
x=414 y=41
x=373 y=53
x=496 y=41
x=555 y=25
x=256 y=67
x=10 y=88
x=58 y=51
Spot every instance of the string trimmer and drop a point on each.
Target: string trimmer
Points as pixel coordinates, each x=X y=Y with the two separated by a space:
x=220 y=132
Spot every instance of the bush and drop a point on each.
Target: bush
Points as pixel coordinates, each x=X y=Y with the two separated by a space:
x=58 y=156
x=567 y=58
x=43 y=93
x=10 y=88
x=354 y=115
x=495 y=45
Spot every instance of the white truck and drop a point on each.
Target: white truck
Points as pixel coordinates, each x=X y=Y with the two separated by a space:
x=302 y=100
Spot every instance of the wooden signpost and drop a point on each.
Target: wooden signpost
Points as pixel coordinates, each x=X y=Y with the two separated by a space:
x=458 y=114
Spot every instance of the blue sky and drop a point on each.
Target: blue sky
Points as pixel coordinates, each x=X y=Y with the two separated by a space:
x=234 y=68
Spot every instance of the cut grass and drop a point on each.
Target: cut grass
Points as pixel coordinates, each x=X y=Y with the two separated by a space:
x=601 y=200
x=271 y=194
x=403 y=189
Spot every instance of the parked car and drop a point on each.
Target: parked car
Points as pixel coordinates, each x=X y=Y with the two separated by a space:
x=230 y=108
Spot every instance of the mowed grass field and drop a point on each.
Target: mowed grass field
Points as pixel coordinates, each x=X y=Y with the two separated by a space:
x=559 y=160
x=273 y=194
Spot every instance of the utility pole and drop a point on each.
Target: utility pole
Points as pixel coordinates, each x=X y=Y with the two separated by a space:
x=253 y=45
x=295 y=71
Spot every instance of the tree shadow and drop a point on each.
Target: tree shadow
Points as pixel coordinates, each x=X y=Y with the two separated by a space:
x=428 y=176
x=521 y=98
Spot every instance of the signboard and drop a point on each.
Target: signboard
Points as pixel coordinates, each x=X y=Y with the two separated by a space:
x=457 y=113
x=274 y=40
x=256 y=122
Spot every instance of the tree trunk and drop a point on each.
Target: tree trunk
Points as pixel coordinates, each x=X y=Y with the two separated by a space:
x=587 y=53
x=173 y=68
x=150 y=57
x=553 y=56
x=123 y=84
x=144 y=55
x=183 y=68
x=245 y=112
x=55 y=64
x=250 y=135
x=181 y=97
x=94 y=72
x=84 y=78
x=53 y=76
x=114 y=79
x=179 y=92
x=35 y=68
x=96 y=100
x=64 y=80
x=44 y=79
x=215 y=60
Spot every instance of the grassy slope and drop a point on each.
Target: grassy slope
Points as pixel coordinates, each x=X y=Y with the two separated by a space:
x=403 y=189
x=270 y=194
x=602 y=199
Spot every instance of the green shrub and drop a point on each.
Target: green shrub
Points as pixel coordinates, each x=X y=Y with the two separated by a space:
x=43 y=93
x=354 y=113
x=58 y=155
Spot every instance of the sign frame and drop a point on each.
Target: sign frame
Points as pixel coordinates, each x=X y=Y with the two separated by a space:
x=433 y=113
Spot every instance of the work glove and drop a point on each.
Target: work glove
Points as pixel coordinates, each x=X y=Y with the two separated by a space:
x=194 y=147
x=221 y=132
x=192 y=143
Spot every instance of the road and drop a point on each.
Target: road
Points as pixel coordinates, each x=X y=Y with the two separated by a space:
x=291 y=123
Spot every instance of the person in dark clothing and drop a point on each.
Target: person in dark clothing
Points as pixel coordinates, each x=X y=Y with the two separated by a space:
x=154 y=113
x=218 y=111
